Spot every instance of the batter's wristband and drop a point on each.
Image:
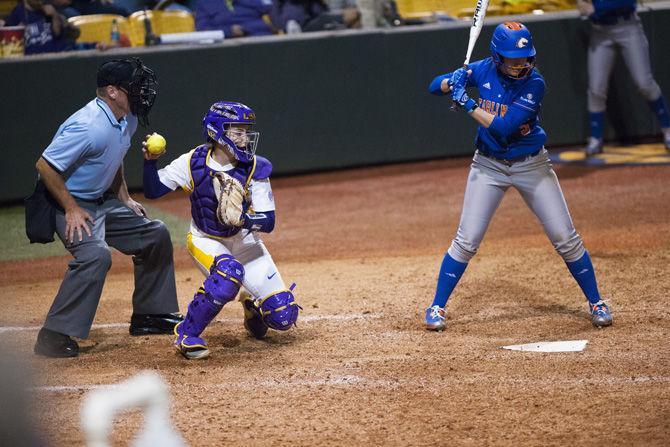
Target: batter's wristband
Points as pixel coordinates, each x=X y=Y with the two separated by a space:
x=470 y=105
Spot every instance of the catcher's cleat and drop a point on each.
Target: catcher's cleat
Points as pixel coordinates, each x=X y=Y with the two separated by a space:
x=253 y=321
x=54 y=344
x=594 y=147
x=666 y=139
x=147 y=324
x=600 y=314
x=435 y=318
x=193 y=348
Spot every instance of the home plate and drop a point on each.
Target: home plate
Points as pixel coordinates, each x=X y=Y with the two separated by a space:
x=551 y=346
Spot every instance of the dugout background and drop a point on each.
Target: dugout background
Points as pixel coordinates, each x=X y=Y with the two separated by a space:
x=323 y=100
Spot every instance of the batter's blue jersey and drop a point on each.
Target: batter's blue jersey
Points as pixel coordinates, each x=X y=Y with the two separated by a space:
x=607 y=11
x=608 y=5
x=516 y=103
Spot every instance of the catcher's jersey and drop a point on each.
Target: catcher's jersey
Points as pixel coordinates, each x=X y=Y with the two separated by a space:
x=178 y=175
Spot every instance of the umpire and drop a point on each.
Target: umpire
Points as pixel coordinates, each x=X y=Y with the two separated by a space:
x=82 y=170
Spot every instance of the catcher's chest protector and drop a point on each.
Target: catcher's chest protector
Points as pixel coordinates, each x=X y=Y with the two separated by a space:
x=203 y=199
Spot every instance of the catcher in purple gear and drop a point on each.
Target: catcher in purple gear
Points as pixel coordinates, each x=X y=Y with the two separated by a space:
x=510 y=153
x=231 y=202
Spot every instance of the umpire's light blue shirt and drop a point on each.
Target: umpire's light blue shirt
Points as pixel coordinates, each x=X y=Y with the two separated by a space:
x=89 y=148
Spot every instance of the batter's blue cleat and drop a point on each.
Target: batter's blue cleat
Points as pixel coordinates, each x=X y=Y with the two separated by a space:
x=435 y=318
x=600 y=314
x=253 y=322
x=193 y=348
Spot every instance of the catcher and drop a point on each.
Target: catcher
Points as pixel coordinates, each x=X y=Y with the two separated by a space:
x=231 y=201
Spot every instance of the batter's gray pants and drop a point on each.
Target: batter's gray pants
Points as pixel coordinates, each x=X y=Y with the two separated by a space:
x=536 y=181
x=605 y=40
x=116 y=225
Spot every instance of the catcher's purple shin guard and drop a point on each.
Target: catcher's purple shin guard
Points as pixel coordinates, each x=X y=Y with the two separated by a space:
x=279 y=310
x=220 y=287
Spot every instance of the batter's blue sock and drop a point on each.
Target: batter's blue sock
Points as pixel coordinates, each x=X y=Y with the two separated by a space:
x=597 y=122
x=450 y=273
x=582 y=271
x=660 y=108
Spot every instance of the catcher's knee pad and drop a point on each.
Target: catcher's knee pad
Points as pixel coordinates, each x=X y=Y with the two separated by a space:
x=279 y=310
x=571 y=247
x=225 y=279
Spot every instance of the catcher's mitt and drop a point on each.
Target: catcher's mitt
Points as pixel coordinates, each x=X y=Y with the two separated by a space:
x=230 y=194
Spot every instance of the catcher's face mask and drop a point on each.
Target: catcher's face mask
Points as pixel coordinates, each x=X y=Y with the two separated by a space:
x=230 y=124
x=243 y=138
x=136 y=79
x=244 y=141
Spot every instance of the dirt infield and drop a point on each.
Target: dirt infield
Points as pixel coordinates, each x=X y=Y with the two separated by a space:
x=364 y=247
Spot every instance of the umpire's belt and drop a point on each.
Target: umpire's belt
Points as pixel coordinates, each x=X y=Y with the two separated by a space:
x=509 y=161
x=98 y=200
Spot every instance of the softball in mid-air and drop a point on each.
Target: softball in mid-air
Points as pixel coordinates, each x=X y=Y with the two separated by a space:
x=155 y=144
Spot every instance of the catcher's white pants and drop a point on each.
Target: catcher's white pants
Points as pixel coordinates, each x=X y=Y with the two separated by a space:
x=261 y=277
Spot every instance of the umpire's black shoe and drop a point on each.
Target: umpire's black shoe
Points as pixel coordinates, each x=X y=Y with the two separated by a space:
x=147 y=324
x=54 y=344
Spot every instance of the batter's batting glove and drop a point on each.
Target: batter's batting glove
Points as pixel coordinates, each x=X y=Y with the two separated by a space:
x=461 y=98
x=459 y=79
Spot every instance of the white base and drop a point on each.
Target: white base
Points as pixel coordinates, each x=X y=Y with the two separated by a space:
x=551 y=346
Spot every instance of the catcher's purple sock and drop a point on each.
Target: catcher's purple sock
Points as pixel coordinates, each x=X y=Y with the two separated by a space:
x=450 y=273
x=596 y=123
x=660 y=108
x=582 y=271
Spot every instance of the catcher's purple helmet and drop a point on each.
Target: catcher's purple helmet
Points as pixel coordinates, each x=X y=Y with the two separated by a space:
x=217 y=122
x=513 y=40
x=279 y=311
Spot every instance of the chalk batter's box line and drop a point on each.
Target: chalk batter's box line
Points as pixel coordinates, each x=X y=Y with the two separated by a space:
x=302 y=319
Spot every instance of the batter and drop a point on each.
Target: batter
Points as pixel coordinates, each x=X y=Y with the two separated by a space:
x=510 y=153
x=616 y=26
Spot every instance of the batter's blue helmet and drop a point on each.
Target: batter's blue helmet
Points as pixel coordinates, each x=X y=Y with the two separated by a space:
x=217 y=122
x=513 y=40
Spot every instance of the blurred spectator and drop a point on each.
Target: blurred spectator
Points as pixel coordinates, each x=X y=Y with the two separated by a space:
x=164 y=5
x=315 y=15
x=346 y=12
x=300 y=12
x=237 y=18
x=389 y=15
x=87 y=7
x=46 y=30
x=171 y=5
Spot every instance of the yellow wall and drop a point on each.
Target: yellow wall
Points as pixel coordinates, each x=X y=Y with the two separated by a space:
x=455 y=8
